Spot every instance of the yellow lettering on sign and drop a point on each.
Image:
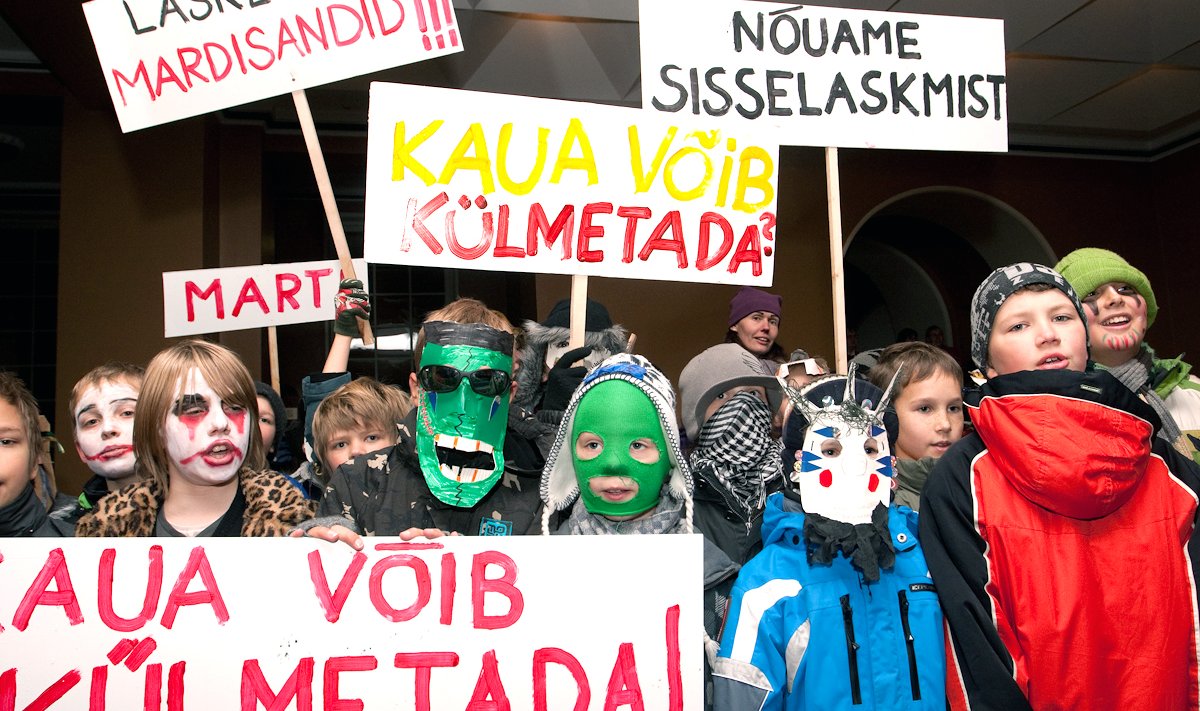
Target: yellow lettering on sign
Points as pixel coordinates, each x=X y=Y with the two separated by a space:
x=586 y=161
x=402 y=151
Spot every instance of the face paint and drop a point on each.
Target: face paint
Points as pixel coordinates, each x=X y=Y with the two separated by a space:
x=207 y=438
x=844 y=471
x=460 y=432
x=620 y=451
x=1118 y=322
x=104 y=428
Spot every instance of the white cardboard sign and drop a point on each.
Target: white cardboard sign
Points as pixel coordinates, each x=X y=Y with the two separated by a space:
x=824 y=76
x=234 y=298
x=165 y=60
x=469 y=180
x=582 y=622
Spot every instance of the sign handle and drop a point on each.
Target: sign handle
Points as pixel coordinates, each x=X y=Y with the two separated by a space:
x=273 y=355
x=834 y=190
x=579 y=289
x=326 y=189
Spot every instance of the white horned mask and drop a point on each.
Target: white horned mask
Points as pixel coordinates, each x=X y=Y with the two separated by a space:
x=843 y=468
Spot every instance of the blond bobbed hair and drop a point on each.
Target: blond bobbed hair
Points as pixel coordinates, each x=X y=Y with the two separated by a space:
x=225 y=374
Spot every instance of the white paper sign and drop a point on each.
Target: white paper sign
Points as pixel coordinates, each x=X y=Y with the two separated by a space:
x=234 y=298
x=461 y=179
x=583 y=622
x=165 y=60
x=824 y=76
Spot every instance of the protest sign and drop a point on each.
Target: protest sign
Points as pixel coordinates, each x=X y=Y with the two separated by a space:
x=234 y=298
x=570 y=622
x=461 y=179
x=165 y=60
x=826 y=76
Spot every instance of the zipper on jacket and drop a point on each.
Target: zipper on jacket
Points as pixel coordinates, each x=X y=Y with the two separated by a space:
x=910 y=643
x=851 y=650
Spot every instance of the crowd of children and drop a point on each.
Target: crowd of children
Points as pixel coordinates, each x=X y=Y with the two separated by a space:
x=1051 y=564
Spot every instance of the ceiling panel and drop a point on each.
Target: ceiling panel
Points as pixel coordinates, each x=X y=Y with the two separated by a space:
x=1042 y=88
x=1118 y=30
x=1144 y=103
x=1023 y=19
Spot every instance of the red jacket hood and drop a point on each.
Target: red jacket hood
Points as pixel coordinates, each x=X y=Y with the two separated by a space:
x=1078 y=448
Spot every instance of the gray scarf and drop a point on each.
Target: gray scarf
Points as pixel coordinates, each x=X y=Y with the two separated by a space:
x=666 y=517
x=1135 y=375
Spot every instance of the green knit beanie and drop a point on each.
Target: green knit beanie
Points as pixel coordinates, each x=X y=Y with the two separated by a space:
x=1087 y=268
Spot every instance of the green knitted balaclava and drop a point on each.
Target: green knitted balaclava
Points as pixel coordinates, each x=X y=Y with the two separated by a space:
x=619 y=413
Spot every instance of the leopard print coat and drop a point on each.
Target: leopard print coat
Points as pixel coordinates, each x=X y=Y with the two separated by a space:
x=273 y=508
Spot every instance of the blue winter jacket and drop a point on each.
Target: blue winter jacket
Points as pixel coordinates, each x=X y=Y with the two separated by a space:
x=801 y=636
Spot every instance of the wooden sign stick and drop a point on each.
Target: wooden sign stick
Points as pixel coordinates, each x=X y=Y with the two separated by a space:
x=273 y=354
x=834 y=191
x=579 y=289
x=326 y=189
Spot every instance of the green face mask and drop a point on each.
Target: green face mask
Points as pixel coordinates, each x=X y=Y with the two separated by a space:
x=619 y=414
x=462 y=415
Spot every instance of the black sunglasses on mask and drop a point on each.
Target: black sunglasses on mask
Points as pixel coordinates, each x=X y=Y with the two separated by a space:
x=445 y=379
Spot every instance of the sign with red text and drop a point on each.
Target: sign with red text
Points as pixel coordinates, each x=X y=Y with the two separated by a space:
x=827 y=76
x=468 y=180
x=165 y=60
x=564 y=622
x=234 y=298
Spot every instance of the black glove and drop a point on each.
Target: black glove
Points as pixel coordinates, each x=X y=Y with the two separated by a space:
x=563 y=379
x=351 y=303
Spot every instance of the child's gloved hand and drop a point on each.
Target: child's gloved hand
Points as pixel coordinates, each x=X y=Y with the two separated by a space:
x=562 y=379
x=351 y=303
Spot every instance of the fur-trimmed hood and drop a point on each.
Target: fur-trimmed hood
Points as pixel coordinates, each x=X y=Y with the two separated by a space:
x=539 y=339
x=560 y=488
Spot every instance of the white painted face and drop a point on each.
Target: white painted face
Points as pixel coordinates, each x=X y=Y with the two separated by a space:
x=104 y=428
x=556 y=350
x=844 y=473
x=207 y=438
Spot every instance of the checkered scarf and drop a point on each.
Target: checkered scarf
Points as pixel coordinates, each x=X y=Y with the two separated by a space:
x=736 y=449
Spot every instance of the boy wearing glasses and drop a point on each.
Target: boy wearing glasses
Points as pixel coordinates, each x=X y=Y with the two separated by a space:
x=460 y=465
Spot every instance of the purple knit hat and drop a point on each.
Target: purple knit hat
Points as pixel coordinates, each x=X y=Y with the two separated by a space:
x=748 y=300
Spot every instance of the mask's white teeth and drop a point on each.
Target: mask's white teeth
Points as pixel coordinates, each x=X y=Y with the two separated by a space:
x=462 y=444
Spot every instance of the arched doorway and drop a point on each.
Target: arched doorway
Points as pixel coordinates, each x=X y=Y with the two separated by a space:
x=915 y=260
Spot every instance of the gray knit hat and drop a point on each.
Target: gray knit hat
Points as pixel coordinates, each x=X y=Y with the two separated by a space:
x=995 y=290
x=713 y=372
x=560 y=487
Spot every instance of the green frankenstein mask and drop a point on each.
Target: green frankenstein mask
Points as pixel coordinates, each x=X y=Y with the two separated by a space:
x=464 y=377
x=620 y=414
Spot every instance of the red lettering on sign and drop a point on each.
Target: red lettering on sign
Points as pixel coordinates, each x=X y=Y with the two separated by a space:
x=315 y=275
x=250 y=293
x=154 y=578
x=588 y=231
x=547 y=655
x=749 y=249
x=672 y=244
x=504 y=585
x=674 y=672
x=424 y=590
x=287 y=293
x=423 y=663
x=333 y=669
x=632 y=215
x=298 y=687
x=489 y=691
x=448 y=585
x=623 y=687
x=563 y=225
x=55 y=568
x=707 y=220
x=211 y=595
x=54 y=692
x=214 y=289
x=332 y=604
